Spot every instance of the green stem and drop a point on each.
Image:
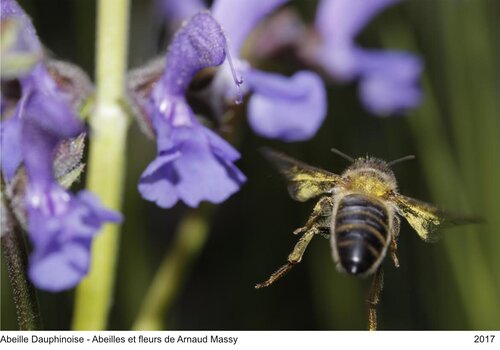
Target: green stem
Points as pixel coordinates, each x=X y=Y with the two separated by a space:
x=106 y=160
x=16 y=258
x=190 y=239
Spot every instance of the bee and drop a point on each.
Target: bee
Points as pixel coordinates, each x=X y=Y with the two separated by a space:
x=359 y=211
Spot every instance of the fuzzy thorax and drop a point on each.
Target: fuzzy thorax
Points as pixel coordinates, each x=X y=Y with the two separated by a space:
x=371 y=176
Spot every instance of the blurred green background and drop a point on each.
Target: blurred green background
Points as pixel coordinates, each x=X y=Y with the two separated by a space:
x=451 y=285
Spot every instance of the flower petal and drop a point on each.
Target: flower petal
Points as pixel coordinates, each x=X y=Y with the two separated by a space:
x=199 y=168
x=177 y=11
x=157 y=183
x=388 y=79
x=220 y=146
x=61 y=231
x=339 y=61
x=291 y=109
x=205 y=175
x=28 y=40
x=40 y=135
x=339 y=21
x=60 y=269
x=193 y=164
x=61 y=226
x=200 y=43
x=10 y=138
x=389 y=82
x=238 y=18
x=93 y=212
x=49 y=107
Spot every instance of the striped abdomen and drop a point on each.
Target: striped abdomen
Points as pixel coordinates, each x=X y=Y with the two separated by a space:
x=361 y=233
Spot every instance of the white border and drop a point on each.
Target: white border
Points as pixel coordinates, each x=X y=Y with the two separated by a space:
x=252 y=340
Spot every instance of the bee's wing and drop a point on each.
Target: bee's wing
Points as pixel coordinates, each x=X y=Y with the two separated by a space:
x=305 y=181
x=426 y=218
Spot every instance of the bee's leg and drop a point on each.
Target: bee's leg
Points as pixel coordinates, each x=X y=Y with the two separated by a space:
x=374 y=298
x=321 y=209
x=394 y=241
x=294 y=258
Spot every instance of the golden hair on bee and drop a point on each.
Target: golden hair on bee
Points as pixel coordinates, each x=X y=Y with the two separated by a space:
x=370 y=175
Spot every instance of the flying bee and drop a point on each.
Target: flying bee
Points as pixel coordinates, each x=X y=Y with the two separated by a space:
x=359 y=211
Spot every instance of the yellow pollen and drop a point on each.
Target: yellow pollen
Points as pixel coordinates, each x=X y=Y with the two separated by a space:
x=369 y=184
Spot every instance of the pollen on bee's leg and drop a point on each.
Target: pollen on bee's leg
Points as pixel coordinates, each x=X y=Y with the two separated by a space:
x=237 y=80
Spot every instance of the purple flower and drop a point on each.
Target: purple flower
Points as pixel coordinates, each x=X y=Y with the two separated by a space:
x=27 y=40
x=193 y=163
x=281 y=106
x=21 y=49
x=388 y=79
x=61 y=226
x=289 y=108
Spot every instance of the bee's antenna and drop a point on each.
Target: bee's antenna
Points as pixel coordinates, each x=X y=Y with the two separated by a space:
x=342 y=154
x=402 y=159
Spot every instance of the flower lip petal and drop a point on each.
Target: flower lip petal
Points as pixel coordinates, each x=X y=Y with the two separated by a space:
x=156 y=169
x=199 y=44
x=216 y=183
x=389 y=81
x=384 y=96
x=100 y=213
x=396 y=64
x=161 y=192
x=219 y=145
x=61 y=238
x=291 y=109
x=199 y=169
x=61 y=268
